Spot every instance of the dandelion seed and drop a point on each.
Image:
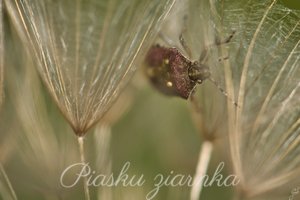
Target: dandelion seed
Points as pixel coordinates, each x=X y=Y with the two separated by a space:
x=86 y=51
x=262 y=71
x=93 y=43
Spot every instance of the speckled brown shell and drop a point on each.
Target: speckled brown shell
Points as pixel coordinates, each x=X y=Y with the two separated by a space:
x=167 y=70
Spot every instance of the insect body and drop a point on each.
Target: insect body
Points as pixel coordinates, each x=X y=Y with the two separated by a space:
x=172 y=73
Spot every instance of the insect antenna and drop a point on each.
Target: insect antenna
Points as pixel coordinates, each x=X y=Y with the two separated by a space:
x=222 y=90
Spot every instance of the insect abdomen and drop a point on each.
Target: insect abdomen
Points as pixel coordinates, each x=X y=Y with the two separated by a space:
x=167 y=70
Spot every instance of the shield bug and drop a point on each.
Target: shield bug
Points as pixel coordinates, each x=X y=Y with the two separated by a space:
x=173 y=74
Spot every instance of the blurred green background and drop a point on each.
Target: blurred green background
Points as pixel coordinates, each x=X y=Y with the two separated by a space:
x=293 y=4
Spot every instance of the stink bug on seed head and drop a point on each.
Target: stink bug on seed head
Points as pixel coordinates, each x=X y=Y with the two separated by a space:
x=173 y=74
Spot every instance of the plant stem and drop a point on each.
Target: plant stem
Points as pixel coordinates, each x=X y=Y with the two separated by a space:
x=82 y=158
x=12 y=191
x=102 y=137
x=203 y=162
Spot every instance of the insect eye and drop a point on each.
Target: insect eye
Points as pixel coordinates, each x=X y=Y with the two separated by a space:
x=199 y=72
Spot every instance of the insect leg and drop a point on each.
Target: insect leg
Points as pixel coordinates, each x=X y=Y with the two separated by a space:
x=205 y=53
x=227 y=40
x=223 y=58
x=182 y=40
x=222 y=91
x=166 y=40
